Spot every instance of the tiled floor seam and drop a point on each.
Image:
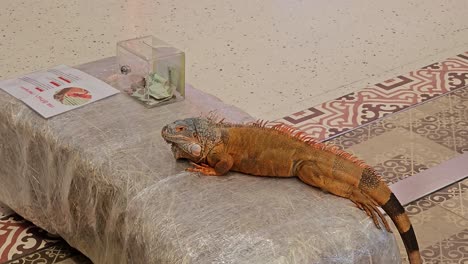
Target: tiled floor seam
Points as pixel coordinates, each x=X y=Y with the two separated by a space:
x=455 y=213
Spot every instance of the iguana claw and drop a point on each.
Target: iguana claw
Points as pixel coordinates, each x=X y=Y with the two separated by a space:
x=202 y=168
x=370 y=207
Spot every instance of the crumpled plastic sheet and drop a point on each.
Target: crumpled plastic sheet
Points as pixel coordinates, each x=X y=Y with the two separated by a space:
x=103 y=178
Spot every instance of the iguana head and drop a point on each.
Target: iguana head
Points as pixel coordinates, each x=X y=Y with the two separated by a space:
x=191 y=138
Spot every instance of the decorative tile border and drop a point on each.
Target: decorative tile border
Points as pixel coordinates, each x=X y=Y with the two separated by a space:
x=23 y=243
x=19 y=237
x=337 y=116
x=56 y=253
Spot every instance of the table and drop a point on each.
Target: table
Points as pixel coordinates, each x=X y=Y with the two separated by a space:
x=103 y=178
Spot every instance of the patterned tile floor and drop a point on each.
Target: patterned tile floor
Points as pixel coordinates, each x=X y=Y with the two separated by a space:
x=337 y=116
x=408 y=142
x=23 y=243
x=398 y=146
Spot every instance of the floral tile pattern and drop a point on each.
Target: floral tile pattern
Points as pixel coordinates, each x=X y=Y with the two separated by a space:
x=447 y=127
x=397 y=168
x=441 y=229
x=371 y=103
x=452 y=198
x=449 y=250
x=19 y=237
x=57 y=253
x=440 y=77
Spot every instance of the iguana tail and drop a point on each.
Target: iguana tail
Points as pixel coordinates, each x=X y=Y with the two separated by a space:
x=371 y=184
x=397 y=213
x=370 y=193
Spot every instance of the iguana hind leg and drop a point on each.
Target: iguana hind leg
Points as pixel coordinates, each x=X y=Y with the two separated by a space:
x=367 y=204
x=311 y=175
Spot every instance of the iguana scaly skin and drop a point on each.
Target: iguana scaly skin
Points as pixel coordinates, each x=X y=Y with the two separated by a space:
x=277 y=150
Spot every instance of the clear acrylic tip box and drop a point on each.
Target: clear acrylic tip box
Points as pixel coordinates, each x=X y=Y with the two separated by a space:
x=154 y=71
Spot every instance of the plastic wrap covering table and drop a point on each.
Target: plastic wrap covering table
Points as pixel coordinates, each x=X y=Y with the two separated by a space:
x=103 y=178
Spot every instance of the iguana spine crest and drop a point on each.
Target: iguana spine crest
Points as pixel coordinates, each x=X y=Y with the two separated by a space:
x=300 y=136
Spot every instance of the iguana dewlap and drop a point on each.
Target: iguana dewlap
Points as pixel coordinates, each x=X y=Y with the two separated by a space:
x=277 y=150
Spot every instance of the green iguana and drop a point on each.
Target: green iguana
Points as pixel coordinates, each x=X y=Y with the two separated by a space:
x=264 y=149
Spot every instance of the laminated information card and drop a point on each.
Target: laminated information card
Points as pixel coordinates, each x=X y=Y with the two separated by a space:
x=57 y=90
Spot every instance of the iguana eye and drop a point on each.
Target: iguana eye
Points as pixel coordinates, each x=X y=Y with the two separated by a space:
x=179 y=129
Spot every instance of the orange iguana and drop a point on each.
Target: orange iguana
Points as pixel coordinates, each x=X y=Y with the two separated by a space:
x=277 y=150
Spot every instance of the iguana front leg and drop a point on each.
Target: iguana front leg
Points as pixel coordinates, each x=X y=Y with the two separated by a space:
x=218 y=164
x=202 y=168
